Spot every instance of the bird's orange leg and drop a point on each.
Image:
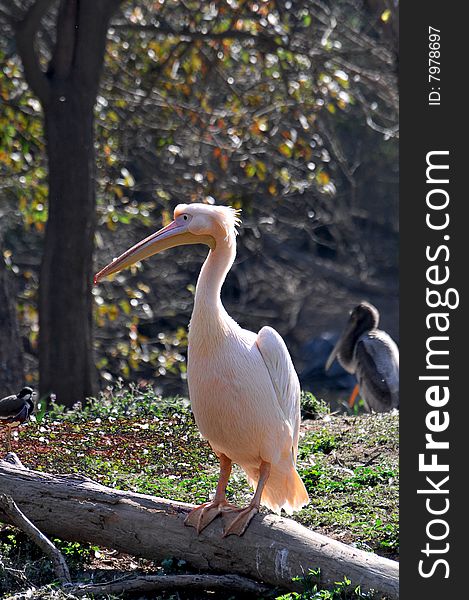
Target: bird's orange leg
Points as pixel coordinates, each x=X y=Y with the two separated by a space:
x=239 y=524
x=203 y=515
x=353 y=396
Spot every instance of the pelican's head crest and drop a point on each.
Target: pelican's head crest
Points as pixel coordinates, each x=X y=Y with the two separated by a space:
x=229 y=219
x=204 y=217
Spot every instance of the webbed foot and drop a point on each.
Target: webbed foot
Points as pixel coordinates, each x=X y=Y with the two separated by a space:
x=203 y=515
x=237 y=520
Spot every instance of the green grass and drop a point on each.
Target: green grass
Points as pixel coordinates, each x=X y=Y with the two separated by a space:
x=320 y=441
x=134 y=440
x=312 y=590
x=351 y=471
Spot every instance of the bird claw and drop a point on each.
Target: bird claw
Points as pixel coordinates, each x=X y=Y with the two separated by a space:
x=203 y=515
x=241 y=520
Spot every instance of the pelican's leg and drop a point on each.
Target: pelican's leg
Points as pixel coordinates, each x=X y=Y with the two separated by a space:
x=203 y=515
x=243 y=516
x=353 y=396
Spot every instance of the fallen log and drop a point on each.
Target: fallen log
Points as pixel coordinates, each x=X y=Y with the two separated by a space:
x=273 y=549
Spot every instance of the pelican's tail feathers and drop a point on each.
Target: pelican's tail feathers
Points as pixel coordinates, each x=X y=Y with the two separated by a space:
x=284 y=489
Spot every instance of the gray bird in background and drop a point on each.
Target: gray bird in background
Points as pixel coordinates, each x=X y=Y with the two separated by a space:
x=372 y=356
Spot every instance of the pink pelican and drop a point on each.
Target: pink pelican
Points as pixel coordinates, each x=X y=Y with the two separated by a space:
x=244 y=390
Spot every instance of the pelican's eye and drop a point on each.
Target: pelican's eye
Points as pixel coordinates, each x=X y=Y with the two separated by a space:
x=184 y=218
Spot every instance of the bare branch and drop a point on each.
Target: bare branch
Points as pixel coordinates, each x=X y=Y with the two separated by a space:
x=154 y=583
x=18 y=519
x=188 y=34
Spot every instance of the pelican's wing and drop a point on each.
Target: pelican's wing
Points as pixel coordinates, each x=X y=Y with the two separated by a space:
x=377 y=360
x=284 y=378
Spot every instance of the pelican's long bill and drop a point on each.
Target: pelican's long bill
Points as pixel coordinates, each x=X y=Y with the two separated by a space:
x=174 y=234
x=332 y=356
x=337 y=346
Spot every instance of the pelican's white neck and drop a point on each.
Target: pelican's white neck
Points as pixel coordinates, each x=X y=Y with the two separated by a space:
x=213 y=273
x=209 y=314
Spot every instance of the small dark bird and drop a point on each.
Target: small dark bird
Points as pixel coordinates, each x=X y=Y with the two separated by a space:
x=372 y=356
x=15 y=410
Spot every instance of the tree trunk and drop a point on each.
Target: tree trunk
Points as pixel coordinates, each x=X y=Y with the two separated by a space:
x=11 y=351
x=273 y=549
x=65 y=350
x=67 y=93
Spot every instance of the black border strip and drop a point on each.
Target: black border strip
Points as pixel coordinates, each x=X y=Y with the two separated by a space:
x=435 y=123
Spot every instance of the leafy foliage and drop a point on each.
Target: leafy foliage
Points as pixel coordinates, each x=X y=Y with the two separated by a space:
x=23 y=190
x=312 y=407
x=255 y=104
x=232 y=102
